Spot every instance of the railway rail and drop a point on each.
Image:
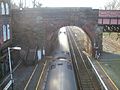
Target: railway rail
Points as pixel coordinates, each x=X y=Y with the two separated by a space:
x=83 y=72
x=36 y=79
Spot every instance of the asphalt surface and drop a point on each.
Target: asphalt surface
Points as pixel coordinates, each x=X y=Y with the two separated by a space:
x=27 y=77
x=33 y=77
x=21 y=76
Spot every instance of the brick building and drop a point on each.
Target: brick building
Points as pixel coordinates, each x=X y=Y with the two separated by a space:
x=5 y=36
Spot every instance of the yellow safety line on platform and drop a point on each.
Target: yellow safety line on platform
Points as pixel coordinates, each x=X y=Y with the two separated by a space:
x=108 y=76
x=31 y=77
x=41 y=76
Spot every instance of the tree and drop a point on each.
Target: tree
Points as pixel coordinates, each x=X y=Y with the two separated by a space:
x=113 y=5
x=36 y=4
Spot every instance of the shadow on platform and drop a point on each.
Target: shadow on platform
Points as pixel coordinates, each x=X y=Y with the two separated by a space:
x=109 y=56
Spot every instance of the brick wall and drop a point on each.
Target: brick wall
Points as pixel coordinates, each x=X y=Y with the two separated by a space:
x=33 y=27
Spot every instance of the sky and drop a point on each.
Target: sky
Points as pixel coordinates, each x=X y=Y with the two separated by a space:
x=95 y=4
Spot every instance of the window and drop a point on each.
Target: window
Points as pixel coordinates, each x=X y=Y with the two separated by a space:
x=69 y=66
x=7 y=9
x=2 y=8
x=67 y=53
x=60 y=64
x=4 y=33
x=1 y=37
x=8 y=31
x=52 y=67
x=39 y=54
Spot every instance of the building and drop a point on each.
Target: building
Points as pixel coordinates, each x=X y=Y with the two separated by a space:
x=5 y=36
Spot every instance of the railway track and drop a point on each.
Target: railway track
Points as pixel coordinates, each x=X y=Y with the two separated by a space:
x=83 y=72
x=36 y=80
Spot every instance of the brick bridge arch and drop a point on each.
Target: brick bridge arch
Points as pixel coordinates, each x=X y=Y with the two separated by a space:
x=51 y=19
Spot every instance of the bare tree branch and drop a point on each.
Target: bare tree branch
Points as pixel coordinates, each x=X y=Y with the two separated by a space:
x=114 y=5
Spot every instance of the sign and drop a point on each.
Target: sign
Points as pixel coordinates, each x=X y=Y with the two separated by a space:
x=109 y=17
x=109 y=13
x=39 y=54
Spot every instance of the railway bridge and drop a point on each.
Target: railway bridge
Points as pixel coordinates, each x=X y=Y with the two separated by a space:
x=38 y=26
x=46 y=21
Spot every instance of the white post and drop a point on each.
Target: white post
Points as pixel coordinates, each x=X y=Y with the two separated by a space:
x=43 y=51
x=10 y=65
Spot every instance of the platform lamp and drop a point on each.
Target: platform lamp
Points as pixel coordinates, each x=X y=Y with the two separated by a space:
x=10 y=63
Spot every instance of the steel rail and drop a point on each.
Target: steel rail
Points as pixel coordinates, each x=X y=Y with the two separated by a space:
x=41 y=75
x=96 y=72
x=105 y=87
x=75 y=64
x=80 y=54
x=25 y=88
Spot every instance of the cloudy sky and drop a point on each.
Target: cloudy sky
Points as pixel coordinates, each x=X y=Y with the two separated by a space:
x=69 y=3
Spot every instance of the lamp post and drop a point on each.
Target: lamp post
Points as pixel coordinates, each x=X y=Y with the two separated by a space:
x=10 y=63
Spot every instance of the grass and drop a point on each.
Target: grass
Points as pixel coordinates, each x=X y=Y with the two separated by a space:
x=114 y=36
x=112 y=66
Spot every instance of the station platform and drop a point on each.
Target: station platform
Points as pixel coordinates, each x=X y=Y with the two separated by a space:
x=105 y=77
x=108 y=77
x=112 y=68
x=110 y=64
